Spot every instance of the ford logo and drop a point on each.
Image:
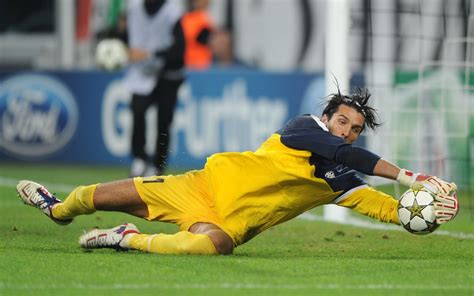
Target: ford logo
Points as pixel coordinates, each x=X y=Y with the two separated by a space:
x=38 y=115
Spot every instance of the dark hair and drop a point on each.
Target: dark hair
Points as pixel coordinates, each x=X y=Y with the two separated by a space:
x=358 y=100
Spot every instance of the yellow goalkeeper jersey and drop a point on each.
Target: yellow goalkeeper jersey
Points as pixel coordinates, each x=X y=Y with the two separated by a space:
x=296 y=169
x=253 y=191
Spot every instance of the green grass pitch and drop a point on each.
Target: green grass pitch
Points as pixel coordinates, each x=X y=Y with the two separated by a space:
x=300 y=257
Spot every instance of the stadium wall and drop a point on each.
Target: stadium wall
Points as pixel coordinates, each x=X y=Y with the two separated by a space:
x=83 y=116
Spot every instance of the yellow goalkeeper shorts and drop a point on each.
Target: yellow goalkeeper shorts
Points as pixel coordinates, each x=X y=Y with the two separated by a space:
x=180 y=199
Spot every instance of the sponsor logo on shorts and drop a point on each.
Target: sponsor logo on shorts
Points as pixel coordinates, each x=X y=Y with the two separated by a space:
x=38 y=115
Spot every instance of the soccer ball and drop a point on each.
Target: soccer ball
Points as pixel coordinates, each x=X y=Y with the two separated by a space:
x=111 y=54
x=416 y=210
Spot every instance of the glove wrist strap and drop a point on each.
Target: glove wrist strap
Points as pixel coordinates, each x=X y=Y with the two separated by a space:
x=406 y=177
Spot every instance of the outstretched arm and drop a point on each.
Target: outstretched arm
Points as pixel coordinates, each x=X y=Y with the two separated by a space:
x=309 y=133
x=386 y=169
x=372 y=203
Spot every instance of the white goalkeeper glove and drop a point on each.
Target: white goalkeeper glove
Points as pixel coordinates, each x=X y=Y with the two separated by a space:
x=446 y=207
x=446 y=202
x=438 y=186
x=432 y=183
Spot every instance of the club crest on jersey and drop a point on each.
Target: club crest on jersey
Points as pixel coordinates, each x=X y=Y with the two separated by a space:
x=38 y=115
x=330 y=175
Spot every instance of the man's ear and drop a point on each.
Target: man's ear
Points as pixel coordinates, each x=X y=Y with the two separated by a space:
x=325 y=119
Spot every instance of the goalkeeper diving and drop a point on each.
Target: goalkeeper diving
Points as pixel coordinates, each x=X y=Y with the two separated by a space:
x=308 y=163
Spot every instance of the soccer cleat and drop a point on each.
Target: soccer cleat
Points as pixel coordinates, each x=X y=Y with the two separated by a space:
x=36 y=195
x=112 y=238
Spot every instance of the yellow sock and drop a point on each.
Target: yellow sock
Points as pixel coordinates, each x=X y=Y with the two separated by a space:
x=79 y=201
x=183 y=242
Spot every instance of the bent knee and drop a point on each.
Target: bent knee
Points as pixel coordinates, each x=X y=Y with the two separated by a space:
x=222 y=242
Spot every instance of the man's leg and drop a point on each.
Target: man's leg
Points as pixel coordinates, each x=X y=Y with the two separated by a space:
x=120 y=196
x=113 y=196
x=221 y=240
x=201 y=239
x=78 y=202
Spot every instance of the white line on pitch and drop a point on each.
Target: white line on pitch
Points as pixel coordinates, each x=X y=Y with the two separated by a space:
x=199 y=286
x=56 y=186
x=366 y=224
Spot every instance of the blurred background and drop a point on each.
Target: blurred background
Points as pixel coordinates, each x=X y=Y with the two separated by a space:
x=269 y=63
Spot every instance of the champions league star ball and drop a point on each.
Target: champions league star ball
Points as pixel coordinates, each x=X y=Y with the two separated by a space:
x=416 y=210
x=111 y=54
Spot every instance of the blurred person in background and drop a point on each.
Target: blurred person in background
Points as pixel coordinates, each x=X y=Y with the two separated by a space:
x=156 y=52
x=198 y=27
x=221 y=44
x=119 y=30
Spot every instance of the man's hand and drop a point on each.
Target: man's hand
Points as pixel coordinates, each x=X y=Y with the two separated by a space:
x=446 y=207
x=432 y=183
x=446 y=202
x=438 y=186
x=137 y=55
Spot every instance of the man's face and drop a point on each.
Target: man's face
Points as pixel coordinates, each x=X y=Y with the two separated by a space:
x=345 y=123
